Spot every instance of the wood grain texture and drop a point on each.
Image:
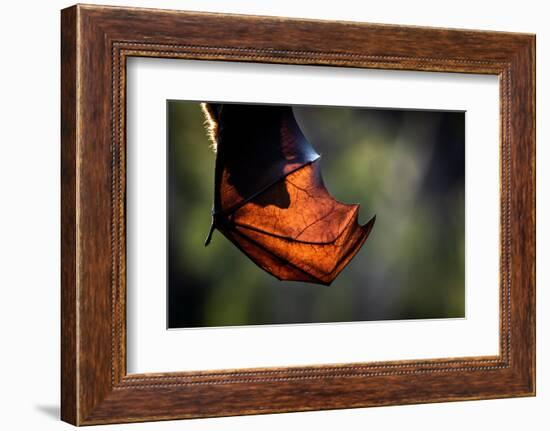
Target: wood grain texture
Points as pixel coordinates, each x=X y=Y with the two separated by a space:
x=96 y=41
x=69 y=366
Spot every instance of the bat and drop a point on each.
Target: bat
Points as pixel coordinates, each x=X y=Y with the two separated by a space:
x=269 y=197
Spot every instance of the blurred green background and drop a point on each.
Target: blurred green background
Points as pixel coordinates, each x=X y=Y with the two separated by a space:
x=407 y=167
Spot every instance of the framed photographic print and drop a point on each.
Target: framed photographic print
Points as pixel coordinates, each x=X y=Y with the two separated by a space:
x=269 y=215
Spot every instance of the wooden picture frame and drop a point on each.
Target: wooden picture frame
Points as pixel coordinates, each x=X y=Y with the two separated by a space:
x=95 y=43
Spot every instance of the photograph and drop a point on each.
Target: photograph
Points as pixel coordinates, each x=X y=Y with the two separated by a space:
x=262 y=213
x=283 y=214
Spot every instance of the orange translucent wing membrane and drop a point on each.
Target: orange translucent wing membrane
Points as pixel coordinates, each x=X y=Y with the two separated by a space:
x=312 y=214
x=270 y=200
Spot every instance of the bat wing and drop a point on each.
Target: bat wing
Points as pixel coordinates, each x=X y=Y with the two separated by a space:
x=311 y=240
x=270 y=200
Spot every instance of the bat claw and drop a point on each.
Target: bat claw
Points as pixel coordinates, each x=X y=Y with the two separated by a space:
x=209 y=236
